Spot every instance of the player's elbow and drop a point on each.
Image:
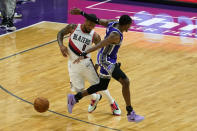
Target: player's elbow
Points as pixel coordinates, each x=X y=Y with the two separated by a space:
x=59 y=35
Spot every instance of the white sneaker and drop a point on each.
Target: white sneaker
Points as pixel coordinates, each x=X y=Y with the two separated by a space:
x=94 y=103
x=115 y=109
x=16 y=15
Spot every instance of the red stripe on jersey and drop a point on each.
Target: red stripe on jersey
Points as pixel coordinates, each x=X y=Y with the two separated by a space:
x=74 y=47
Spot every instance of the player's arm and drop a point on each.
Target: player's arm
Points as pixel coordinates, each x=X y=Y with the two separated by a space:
x=65 y=31
x=113 y=38
x=60 y=36
x=103 y=22
x=96 y=40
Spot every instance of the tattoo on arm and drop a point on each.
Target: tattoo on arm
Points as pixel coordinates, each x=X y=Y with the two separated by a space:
x=68 y=29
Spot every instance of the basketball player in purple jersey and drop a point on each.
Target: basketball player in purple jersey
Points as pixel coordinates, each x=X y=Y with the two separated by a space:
x=106 y=59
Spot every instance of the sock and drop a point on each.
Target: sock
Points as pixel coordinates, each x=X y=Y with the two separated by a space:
x=109 y=97
x=78 y=96
x=94 y=96
x=129 y=109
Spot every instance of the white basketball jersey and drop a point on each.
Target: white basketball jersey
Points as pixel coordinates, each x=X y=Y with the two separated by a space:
x=79 y=42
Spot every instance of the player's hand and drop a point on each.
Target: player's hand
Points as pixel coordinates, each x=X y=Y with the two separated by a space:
x=79 y=59
x=64 y=50
x=75 y=11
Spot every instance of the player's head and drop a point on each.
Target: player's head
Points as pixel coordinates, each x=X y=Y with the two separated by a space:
x=125 y=22
x=89 y=25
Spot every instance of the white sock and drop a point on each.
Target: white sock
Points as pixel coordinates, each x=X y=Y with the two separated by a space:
x=94 y=96
x=109 y=97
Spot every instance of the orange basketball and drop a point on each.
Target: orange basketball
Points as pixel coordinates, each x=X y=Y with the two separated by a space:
x=41 y=104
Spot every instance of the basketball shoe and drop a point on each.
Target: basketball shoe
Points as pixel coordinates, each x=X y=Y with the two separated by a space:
x=115 y=109
x=71 y=102
x=94 y=103
x=133 y=117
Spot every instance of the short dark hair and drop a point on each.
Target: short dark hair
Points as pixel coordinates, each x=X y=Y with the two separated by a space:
x=125 y=19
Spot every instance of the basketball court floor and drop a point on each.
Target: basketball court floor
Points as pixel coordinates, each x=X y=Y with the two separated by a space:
x=158 y=54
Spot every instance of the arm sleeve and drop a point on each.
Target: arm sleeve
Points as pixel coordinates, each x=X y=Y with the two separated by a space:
x=90 y=17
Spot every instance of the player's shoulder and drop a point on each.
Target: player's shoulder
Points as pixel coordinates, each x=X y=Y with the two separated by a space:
x=115 y=34
x=111 y=23
x=72 y=26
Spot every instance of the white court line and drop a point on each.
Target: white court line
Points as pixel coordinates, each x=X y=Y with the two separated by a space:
x=90 y=7
x=134 y=31
x=22 y=28
x=98 y=4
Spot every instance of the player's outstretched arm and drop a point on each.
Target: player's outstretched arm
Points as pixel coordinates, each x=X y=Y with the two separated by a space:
x=113 y=38
x=103 y=22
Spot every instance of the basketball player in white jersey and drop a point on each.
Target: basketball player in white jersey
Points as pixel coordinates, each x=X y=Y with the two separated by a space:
x=81 y=38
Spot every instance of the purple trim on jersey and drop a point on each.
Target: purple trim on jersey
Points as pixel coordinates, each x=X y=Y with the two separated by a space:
x=103 y=71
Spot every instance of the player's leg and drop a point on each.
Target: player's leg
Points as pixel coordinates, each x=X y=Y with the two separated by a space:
x=90 y=74
x=3 y=13
x=76 y=81
x=113 y=104
x=10 y=10
x=120 y=76
x=94 y=79
x=102 y=85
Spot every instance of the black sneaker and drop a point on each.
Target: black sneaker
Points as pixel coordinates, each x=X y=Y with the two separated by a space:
x=10 y=25
x=3 y=23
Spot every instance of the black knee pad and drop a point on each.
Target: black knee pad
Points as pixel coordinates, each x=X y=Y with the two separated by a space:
x=118 y=73
x=102 y=85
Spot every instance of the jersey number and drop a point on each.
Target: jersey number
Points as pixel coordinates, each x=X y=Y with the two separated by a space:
x=84 y=47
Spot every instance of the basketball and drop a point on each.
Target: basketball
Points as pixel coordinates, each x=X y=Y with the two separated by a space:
x=41 y=104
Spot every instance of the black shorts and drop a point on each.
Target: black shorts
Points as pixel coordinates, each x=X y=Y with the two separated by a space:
x=118 y=73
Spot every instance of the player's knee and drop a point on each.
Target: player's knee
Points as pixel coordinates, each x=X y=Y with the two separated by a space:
x=93 y=89
x=103 y=87
x=104 y=83
x=126 y=82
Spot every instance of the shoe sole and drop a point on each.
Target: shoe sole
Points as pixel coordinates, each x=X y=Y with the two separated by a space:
x=136 y=121
x=116 y=114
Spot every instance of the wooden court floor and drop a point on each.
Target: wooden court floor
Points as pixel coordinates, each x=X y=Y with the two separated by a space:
x=163 y=76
